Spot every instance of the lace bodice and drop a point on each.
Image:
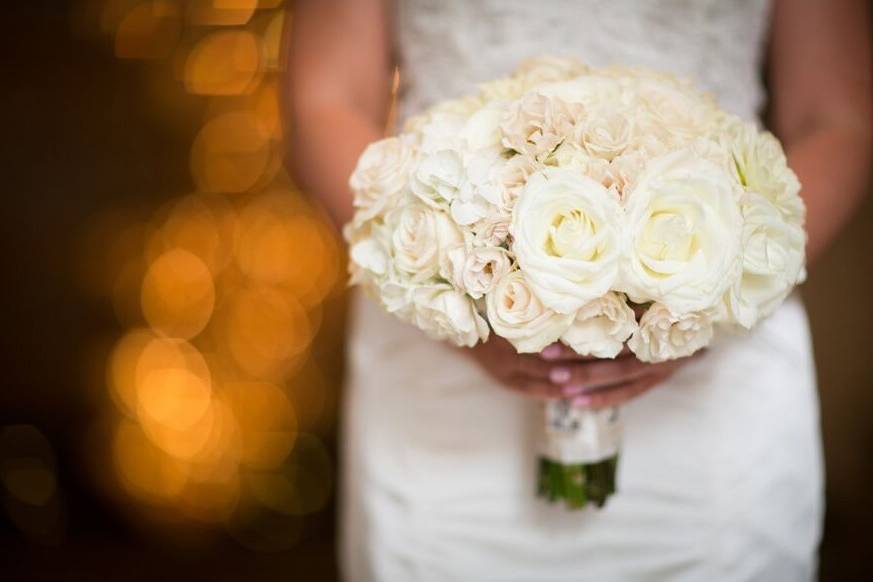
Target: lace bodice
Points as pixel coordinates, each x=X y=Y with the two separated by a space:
x=446 y=47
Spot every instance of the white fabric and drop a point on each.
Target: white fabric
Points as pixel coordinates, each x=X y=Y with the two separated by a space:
x=720 y=473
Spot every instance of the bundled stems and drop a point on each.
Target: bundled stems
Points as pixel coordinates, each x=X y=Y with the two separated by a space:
x=577 y=484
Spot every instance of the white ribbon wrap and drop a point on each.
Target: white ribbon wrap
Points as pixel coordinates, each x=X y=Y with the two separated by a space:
x=575 y=435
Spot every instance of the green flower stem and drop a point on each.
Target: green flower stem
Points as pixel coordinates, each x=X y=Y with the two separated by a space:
x=577 y=484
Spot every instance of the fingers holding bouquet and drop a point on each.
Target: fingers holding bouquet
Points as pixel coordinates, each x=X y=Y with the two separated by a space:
x=558 y=372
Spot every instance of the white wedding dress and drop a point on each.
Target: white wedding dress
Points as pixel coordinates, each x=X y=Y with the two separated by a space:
x=720 y=477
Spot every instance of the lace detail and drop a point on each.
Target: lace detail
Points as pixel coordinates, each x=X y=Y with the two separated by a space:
x=449 y=46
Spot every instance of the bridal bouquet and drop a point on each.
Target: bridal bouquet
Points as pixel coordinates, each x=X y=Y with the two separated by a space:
x=552 y=204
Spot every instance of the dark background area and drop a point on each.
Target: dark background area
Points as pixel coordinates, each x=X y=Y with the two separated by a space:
x=81 y=138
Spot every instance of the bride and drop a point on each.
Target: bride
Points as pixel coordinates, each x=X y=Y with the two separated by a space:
x=721 y=469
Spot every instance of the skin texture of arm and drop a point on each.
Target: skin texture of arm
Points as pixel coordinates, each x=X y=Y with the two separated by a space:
x=820 y=71
x=337 y=93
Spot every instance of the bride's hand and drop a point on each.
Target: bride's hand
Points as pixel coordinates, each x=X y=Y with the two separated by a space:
x=558 y=372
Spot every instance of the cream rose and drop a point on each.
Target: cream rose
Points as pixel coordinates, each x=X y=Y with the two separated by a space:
x=477 y=271
x=516 y=314
x=673 y=112
x=492 y=230
x=601 y=327
x=761 y=167
x=773 y=260
x=381 y=175
x=420 y=240
x=607 y=133
x=663 y=335
x=682 y=236
x=566 y=237
x=588 y=93
x=442 y=312
x=549 y=69
x=571 y=155
x=535 y=124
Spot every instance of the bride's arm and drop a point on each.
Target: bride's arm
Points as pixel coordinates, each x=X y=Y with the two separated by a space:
x=337 y=94
x=821 y=88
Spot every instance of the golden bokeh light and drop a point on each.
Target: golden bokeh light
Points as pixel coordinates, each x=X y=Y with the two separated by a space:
x=266 y=331
x=201 y=224
x=267 y=423
x=231 y=153
x=145 y=471
x=283 y=242
x=149 y=30
x=121 y=370
x=178 y=294
x=227 y=62
x=174 y=397
x=221 y=12
x=217 y=397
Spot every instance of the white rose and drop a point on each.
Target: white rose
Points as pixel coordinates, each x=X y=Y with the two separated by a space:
x=662 y=335
x=445 y=313
x=601 y=327
x=682 y=236
x=442 y=131
x=761 y=167
x=369 y=252
x=396 y=298
x=477 y=271
x=381 y=175
x=479 y=194
x=773 y=260
x=566 y=237
x=482 y=129
x=420 y=240
x=516 y=314
x=437 y=177
x=369 y=255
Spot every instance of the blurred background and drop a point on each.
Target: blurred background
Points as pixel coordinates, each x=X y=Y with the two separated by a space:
x=174 y=310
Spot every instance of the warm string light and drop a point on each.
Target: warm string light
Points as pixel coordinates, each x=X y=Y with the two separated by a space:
x=218 y=402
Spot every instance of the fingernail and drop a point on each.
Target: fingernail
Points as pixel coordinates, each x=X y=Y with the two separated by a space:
x=571 y=390
x=551 y=352
x=559 y=375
